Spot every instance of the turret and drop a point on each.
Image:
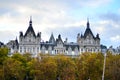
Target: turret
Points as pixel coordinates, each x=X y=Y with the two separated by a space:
x=21 y=34
x=39 y=34
x=78 y=37
x=66 y=40
x=97 y=36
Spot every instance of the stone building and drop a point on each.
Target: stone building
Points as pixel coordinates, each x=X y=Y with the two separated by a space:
x=31 y=43
x=88 y=42
x=59 y=47
x=13 y=46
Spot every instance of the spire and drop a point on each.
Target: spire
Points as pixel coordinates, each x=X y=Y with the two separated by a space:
x=30 y=21
x=88 y=30
x=52 y=39
x=88 y=25
x=30 y=28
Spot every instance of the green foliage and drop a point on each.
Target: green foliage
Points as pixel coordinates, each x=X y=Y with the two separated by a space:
x=49 y=67
x=3 y=54
x=66 y=67
x=13 y=68
x=112 y=67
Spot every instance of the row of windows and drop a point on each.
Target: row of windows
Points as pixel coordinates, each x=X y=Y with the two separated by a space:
x=90 y=50
x=29 y=49
x=89 y=42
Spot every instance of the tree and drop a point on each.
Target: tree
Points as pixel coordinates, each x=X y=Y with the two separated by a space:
x=90 y=66
x=66 y=68
x=44 y=69
x=3 y=55
x=13 y=69
x=112 y=67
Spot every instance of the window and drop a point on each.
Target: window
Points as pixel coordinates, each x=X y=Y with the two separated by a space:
x=33 y=49
x=81 y=50
x=20 y=50
x=24 y=49
x=37 y=49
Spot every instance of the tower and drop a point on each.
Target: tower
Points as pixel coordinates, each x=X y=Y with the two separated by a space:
x=29 y=42
x=88 y=42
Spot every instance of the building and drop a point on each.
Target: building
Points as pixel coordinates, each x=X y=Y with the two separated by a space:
x=114 y=50
x=31 y=43
x=59 y=47
x=88 y=42
x=13 y=46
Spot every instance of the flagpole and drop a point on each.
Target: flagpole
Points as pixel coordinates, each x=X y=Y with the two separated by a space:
x=104 y=66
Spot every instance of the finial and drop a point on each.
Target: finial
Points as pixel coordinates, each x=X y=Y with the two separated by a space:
x=88 y=23
x=30 y=20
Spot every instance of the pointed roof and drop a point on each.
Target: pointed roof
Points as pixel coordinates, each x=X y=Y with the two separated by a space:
x=38 y=34
x=97 y=36
x=30 y=29
x=59 y=39
x=16 y=43
x=88 y=30
x=52 y=39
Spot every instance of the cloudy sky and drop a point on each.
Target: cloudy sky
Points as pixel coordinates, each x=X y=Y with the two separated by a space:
x=65 y=17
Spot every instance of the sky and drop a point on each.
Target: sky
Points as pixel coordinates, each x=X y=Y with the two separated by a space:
x=65 y=17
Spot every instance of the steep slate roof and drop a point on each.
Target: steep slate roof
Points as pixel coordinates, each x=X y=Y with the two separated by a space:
x=59 y=39
x=1 y=44
x=38 y=35
x=72 y=45
x=67 y=45
x=16 y=43
x=21 y=34
x=52 y=39
x=13 y=44
x=47 y=45
x=88 y=31
x=30 y=29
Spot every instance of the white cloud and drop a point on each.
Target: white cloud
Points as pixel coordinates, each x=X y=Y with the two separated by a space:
x=6 y=36
x=51 y=15
x=115 y=38
x=93 y=3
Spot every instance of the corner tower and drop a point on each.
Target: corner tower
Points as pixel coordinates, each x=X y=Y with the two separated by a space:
x=29 y=42
x=88 y=42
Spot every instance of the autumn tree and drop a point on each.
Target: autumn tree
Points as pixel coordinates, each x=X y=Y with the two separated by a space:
x=3 y=54
x=112 y=67
x=90 y=66
x=13 y=69
x=66 y=67
x=45 y=69
x=3 y=57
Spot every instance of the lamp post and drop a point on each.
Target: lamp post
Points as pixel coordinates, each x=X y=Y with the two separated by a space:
x=104 y=66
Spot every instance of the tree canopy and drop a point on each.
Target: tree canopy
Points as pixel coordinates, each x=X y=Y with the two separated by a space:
x=54 y=67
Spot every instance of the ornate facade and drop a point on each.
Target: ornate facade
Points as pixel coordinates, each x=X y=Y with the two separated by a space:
x=88 y=42
x=30 y=42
